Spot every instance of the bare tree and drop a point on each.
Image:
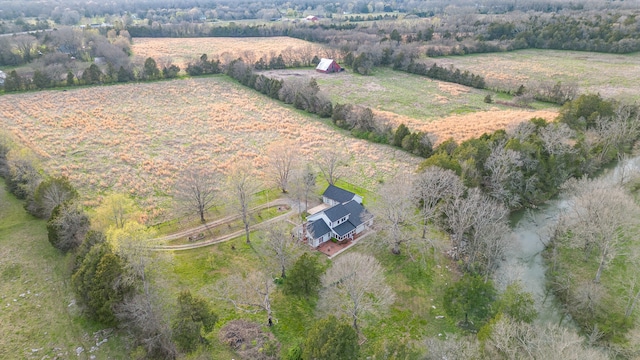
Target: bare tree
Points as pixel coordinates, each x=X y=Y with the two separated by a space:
x=556 y=138
x=505 y=177
x=510 y=339
x=25 y=44
x=282 y=157
x=250 y=293
x=280 y=246
x=142 y=313
x=432 y=189
x=303 y=184
x=479 y=225
x=242 y=186
x=355 y=285
x=196 y=192
x=331 y=162
x=394 y=212
x=142 y=317
x=602 y=218
x=617 y=132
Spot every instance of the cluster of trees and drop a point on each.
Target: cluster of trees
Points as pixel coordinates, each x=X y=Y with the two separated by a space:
x=112 y=268
x=526 y=164
x=447 y=74
x=591 y=255
x=62 y=46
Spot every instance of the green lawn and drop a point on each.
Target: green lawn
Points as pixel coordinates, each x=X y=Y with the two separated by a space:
x=410 y=95
x=418 y=282
x=38 y=315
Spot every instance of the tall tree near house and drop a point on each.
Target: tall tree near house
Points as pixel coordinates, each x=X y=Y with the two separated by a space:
x=196 y=192
x=331 y=339
x=331 y=163
x=280 y=246
x=282 y=158
x=433 y=188
x=242 y=186
x=478 y=224
x=394 y=212
x=304 y=276
x=249 y=293
x=354 y=286
x=303 y=184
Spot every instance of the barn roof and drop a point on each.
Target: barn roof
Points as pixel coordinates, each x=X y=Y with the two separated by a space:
x=324 y=64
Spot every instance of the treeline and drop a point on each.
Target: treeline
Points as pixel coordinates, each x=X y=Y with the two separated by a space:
x=447 y=74
x=111 y=271
x=528 y=163
x=93 y=75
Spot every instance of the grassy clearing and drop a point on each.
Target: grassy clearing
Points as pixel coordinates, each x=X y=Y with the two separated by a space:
x=417 y=281
x=443 y=109
x=612 y=75
x=37 y=312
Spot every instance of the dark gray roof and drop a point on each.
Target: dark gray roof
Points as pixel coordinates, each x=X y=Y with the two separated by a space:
x=344 y=228
x=337 y=194
x=318 y=228
x=336 y=212
x=356 y=210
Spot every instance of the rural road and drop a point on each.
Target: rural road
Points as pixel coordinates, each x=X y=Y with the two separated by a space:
x=224 y=220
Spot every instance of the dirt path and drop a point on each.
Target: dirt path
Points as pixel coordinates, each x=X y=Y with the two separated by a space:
x=294 y=210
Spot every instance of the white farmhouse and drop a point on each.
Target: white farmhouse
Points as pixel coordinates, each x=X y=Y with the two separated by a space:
x=343 y=220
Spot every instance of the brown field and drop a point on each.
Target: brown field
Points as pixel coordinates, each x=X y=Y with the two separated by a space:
x=138 y=138
x=467 y=126
x=182 y=51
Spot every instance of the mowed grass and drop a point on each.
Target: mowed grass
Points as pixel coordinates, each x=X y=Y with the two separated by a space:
x=611 y=75
x=38 y=316
x=406 y=94
x=138 y=139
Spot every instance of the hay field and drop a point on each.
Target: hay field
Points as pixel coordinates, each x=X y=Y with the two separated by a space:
x=183 y=50
x=138 y=138
x=444 y=109
x=611 y=75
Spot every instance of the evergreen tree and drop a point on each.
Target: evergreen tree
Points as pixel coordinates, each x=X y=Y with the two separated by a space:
x=331 y=339
x=304 y=277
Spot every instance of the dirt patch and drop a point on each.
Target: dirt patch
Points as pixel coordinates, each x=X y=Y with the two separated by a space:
x=452 y=89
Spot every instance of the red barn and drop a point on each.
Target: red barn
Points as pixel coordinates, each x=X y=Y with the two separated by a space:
x=328 y=66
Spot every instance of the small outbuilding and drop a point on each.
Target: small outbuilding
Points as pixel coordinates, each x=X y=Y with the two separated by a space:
x=3 y=76
x=328 y=66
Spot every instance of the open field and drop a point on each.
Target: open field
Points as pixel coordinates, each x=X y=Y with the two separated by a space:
x=611 y=75
x=138 y=138
x=444 y=109
x=38 y=314
x=182 y=51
